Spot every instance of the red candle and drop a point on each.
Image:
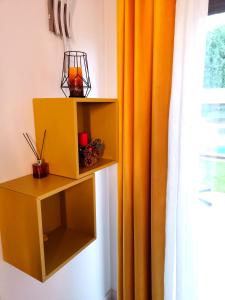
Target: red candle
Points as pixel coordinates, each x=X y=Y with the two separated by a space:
x=83 y=139
x=75 y=82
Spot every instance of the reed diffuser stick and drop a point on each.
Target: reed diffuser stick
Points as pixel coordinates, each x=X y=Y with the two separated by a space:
x=27 y=138
x=43 y=141
x=33 y=145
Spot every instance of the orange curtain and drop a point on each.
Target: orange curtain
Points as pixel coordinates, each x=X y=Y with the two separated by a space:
x=145 y=49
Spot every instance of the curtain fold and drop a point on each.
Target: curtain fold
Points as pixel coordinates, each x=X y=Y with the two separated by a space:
x=183 y=165
x=145 y=48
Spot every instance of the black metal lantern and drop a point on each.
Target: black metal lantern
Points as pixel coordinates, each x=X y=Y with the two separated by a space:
x=75 y=75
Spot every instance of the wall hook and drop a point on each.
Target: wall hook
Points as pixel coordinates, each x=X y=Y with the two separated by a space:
x=59 y=13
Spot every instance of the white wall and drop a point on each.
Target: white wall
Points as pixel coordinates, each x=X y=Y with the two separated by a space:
x=110 y=33
x=110 y=41
x=30 y=66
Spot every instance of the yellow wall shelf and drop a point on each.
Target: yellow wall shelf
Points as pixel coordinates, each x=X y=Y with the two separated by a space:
x=64 y=118
x=46 y=222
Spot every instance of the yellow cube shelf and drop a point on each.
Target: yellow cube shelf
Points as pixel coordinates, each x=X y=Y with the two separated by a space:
x=46 y=222
x=64 y=119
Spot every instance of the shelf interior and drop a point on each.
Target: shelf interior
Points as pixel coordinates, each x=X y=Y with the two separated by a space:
x=62 y=245
x=99 y=120
x=103 y=162
x=68 y=221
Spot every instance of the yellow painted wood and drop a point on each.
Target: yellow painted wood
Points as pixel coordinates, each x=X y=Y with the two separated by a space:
x=68 y=244
x=103 y=124
x=62 y=208
x=57 y=116
x=102 y=163
x=51 y=211
x=20 y=232
x=40 y=188
x=79 y=210
x=63 y=119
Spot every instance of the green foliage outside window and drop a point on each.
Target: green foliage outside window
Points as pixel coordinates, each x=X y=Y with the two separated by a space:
x=214 y=73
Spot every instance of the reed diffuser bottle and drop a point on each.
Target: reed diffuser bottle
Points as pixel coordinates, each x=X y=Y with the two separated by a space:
x=40 y=168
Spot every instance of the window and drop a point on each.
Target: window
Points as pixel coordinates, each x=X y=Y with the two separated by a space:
x=212 y=163
x=213 y=108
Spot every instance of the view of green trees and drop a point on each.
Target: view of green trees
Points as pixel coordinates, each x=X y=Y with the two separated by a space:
x=213 y=171
x=214 y=76
x=213 y=175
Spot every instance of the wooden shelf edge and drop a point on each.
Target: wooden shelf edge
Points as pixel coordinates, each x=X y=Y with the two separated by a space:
x=82 y=100
x=8 y=185
x=47 y=276
x=89 y=171
x=65 y=187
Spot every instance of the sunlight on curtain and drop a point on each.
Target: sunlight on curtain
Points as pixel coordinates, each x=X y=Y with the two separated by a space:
x=182 y=231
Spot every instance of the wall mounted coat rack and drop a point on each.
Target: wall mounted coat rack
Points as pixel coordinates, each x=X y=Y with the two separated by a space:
x=59 y=17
